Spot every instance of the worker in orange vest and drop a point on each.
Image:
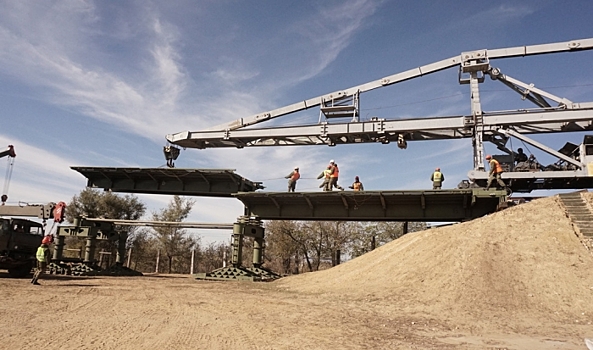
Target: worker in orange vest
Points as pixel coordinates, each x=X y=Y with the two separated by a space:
x=292 y=179
x=333 y=176
x=357 y=185
x=495 y=173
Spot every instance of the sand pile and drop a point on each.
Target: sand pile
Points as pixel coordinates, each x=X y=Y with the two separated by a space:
x=525 y=261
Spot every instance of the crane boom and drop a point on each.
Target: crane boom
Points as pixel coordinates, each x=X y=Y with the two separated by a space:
x=463 y=60
x=551 y=114
x=386 y=131
x=41 y=211
x=8 y=152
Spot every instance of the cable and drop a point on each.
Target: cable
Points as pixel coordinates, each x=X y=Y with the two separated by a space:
x=8 y=175
x=275 y=178
x=526 y=147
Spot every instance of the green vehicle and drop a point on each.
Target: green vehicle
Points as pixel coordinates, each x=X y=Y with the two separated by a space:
x=19 y=240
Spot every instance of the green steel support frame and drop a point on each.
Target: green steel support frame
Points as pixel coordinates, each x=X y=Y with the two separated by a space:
x=245 y=226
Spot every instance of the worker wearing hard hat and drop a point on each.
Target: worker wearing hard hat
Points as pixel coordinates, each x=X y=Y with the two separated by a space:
x=325 y=175
x=357 y=185
x=292 y=179
x=333 y=176
x=495 y=173
x=437 y=179
x=42 y=258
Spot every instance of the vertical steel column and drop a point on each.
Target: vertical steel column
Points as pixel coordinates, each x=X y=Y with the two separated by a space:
x=258 y=251
x=89 y=251
x=478 y=138
x=59 y=248
x=254 y=229
x=237 y=243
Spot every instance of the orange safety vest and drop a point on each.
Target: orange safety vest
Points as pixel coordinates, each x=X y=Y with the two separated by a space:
x=336 y=172
x=494 y=164
x=356 y=186
x=295 y=176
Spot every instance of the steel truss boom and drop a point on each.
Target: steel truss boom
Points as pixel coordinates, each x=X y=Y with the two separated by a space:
x=475 y=64
x=386 y=131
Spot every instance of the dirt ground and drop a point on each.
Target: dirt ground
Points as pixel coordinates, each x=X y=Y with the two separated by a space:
x=516 y=279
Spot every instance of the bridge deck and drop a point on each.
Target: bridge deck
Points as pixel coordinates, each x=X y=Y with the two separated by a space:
x=422 y=205
x=185 y=182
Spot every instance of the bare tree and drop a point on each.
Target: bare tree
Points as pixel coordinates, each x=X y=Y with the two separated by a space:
x=339 y=235
x=173 y=241
x=212 y=256
x=282 y=247
x=302 y=238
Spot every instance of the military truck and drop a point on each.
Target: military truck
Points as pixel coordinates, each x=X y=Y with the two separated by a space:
x=19 y=239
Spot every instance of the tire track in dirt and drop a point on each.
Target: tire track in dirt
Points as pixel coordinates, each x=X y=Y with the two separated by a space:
x=211 y=332
x=159 y=318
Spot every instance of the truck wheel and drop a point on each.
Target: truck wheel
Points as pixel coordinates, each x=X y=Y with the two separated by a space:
x=20 y=271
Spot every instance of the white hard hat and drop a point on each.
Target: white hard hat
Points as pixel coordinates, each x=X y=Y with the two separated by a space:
x=296 y=168
x=331 y=161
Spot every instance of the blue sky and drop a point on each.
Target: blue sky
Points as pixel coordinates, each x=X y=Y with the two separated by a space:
x=100 y=83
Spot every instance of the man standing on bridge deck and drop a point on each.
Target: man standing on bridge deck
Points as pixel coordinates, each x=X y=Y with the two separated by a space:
x=495 y=173
x=325 y=175
x=437 y=179
x=42 y=258
x=357 y=185
x=334 y=173
x=292 y=179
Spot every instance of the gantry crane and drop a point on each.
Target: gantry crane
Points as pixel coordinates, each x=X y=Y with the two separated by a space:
x=551 y=114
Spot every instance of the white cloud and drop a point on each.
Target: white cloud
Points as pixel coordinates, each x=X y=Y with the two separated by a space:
x=71 y=80
x=329 y=32
x=39 y=175
x=503 y=13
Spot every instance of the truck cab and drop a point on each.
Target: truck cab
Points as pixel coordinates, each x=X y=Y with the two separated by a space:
x=19 y=240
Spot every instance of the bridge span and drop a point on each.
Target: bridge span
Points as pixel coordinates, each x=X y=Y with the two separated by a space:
x=399 y=205
x=417 y=205
x=414 y=205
